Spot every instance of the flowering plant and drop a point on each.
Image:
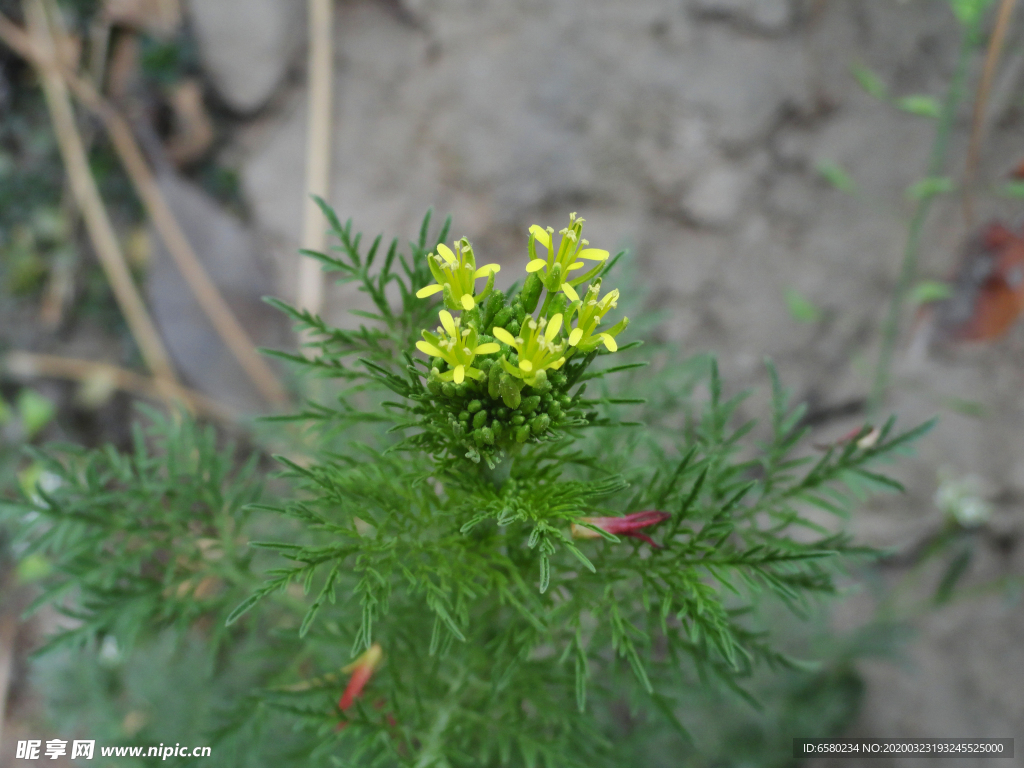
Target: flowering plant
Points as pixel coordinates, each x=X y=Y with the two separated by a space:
x=460 y=576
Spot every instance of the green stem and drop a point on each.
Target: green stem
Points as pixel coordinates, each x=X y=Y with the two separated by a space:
x=547 y=302
x=501 y=472
x=908 y=269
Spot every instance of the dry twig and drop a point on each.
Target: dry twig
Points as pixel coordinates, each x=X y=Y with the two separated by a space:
x=8 y=635
x=310 y=289
x=995 y=47
x=83 y=186
x=29 y=365
x=164 y=221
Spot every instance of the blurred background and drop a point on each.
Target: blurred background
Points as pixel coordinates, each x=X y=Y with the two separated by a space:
x=810 y=180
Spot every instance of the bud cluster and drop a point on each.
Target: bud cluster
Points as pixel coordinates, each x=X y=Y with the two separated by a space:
x=501 y=371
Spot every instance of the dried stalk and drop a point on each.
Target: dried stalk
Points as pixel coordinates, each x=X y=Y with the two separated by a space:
x=29 y=365
x=136 y=166
x=8 y=635
x=87 y=196
x=995 y=47
x=310 y=288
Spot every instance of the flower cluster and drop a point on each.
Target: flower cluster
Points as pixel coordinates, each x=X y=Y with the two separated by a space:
x=456 y=274
x=512 y=350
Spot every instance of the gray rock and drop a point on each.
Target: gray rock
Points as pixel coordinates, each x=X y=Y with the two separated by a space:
x=247 y=45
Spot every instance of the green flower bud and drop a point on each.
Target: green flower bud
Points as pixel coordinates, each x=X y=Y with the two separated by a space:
x=502 y=318
x=509 y=389
x=540 y=424
x=522 y=434
x=558 y=305
x=553 y=282
x=529 y=405
x=530 y=294
x=493 y=378
x=494 y=304
x=518 y=420
x=474 y=406
x=480 y=419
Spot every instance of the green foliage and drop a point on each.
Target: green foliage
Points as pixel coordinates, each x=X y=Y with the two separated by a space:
x=927 y=291
x=869 y=81
x=969 y=12
x=924 y=106
x=930 y=187
x=1013 y=190
x=143 y=540
x=800 y=307
x=837 y=177
x=517 y=627
x=34 y=410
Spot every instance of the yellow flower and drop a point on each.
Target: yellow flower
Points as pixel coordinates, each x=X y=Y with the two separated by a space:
x=537 y=348
x=457 y=346
x=456 y=274
x=558 y=264
x=588 y=315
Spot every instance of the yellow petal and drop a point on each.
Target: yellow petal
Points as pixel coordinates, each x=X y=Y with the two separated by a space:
x=553 y=327
x=446 y=253
x=525 y=366
x=448 y=322
x=467 y=301
x=575 y=336
x=558 y=363
x=428 y=349
x=429 y=290
x=542 y=236
x=486 y=349
x=569 y=291
x=609 y=342
x=577 y=265
x=504 y=336
x=460 y=374
x=487 y=269
x=594 y=254
x=536 y=264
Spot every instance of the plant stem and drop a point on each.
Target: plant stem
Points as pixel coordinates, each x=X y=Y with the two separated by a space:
x=501 y=472
x=908 y=268
x=995 y=47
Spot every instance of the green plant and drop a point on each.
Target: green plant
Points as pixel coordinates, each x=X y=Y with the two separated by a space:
x=519 y=587
x=971 y=16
